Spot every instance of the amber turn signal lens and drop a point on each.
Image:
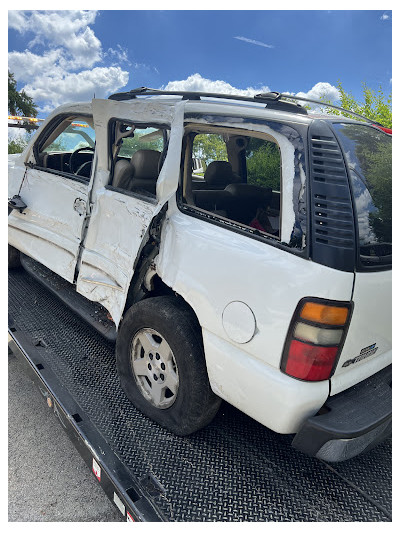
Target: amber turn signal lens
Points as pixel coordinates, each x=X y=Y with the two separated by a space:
x=324 y=314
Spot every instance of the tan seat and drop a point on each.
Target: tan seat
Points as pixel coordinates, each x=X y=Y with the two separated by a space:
x=145 y=164
x=123 y=174
x=140 y=173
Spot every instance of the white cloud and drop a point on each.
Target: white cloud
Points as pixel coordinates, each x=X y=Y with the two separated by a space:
x=385 y=16
x=80 y=86
x=322 y=90
x=27 y=65
x=196 y=82
x=17 y=20
x=120 y=55
x=252 y=41
x=66 y=70
x=68 y=29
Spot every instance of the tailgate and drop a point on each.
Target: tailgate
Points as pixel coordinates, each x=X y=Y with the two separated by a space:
x=368 y=345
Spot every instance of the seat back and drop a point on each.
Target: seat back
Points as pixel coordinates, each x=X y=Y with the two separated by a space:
x=123 y=174
x=245 y=200
x=219 y=174
x=145 y=164
x=212 y=196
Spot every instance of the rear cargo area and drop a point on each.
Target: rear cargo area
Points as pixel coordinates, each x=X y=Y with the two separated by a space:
x=233 y=470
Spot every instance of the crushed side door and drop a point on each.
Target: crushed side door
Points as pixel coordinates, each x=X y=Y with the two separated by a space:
x=120 y=220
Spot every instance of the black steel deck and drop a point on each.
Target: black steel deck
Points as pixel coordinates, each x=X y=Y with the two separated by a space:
x=233 y=470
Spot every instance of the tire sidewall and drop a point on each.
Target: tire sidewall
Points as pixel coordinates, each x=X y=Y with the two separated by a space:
x=166 y=317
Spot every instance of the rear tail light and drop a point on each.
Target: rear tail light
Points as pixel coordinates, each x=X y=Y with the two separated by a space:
x=315 y=338
x=386 y=130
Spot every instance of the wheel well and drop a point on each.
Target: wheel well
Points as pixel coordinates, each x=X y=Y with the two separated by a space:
x=138 y=291
x=145 y=282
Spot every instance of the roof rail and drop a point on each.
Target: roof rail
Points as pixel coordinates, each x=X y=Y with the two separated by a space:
x=273 y=100
x=321 y=103
x=270 y=99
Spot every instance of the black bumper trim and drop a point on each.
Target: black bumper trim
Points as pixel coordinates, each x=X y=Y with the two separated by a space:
x=353 y=421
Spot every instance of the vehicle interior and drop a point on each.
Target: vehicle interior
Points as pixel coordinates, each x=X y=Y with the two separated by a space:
x=233 y=176
x=138 y=153
x=69 y=147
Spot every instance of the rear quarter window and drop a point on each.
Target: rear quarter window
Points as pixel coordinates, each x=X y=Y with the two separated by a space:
x=368 y=153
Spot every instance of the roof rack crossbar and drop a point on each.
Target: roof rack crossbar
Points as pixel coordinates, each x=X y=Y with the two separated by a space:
x=321 y=103
x=272 y=99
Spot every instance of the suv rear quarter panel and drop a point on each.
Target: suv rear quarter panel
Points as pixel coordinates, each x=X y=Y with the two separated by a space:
x=368 y=345
x=211 y=267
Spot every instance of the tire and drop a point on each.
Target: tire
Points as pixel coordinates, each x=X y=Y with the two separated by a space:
x=14 y=260
x=161 y=365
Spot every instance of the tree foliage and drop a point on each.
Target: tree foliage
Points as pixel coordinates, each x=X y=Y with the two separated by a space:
x=375 y=105
x=19 y=103
x=209 y=147
x=131 y=145
x=263 y=162
x=17 y=146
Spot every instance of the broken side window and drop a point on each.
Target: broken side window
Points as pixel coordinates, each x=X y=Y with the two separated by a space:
x=251 y=180
x=138 y=152
x=239 y=178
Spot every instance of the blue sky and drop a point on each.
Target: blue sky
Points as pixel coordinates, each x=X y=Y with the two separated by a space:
x=70 y=55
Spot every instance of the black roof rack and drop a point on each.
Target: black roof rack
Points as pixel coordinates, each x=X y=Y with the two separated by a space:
x=321 y=103
x=273 y=100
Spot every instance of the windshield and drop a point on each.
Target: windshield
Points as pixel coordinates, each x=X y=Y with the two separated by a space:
x=368 y=152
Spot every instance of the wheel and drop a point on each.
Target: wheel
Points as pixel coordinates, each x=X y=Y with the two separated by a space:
x=14 y=260
x=161 y=365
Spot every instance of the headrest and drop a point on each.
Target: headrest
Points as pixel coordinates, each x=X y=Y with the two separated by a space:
x=220 y=173
x=145 y=163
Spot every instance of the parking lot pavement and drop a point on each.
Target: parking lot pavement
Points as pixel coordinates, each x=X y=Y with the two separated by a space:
x=48 y=480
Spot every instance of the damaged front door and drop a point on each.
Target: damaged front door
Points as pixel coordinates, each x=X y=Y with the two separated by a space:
x=55 y=189
x=134 y=181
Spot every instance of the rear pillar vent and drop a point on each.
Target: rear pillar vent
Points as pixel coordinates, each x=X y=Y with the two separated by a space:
x=332 y=222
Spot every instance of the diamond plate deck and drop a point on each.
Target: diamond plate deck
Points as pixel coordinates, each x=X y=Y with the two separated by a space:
x=233 y=470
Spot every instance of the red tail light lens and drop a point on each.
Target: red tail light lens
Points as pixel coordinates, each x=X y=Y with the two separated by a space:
x=386 y=130
x=310 y=362
x=315 y=338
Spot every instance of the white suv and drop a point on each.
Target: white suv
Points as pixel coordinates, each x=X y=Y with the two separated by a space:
x=240 y=247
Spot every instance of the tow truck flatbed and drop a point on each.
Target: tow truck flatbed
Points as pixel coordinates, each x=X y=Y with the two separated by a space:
x=233 y=470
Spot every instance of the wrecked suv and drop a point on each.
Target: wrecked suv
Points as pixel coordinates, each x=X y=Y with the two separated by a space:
x=234 y=248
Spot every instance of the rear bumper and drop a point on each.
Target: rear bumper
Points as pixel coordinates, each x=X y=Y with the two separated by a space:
x=351 y=422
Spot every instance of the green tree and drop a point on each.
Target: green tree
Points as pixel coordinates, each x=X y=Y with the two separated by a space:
x=17 y=146
x=209 y=147
x=131 y=145
x=263 y=164
x=18 y=101
x=375 y=105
